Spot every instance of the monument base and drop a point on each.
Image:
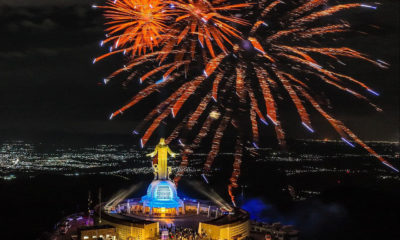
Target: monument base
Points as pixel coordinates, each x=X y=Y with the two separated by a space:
x=162 y=198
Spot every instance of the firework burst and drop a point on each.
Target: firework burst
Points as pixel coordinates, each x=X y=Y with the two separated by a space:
x=248 y=64
x=179 y=29
x=134 y=26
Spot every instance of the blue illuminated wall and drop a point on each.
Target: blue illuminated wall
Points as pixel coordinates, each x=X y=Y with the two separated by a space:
x=162 y=194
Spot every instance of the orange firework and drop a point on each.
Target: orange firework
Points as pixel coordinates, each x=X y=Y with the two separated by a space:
x=202 y=18
x=169 y=28
x=134 y=26
x=244 y=73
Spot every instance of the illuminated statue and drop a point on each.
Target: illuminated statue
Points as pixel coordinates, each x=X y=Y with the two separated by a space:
x=162 y=196
x=160 y=166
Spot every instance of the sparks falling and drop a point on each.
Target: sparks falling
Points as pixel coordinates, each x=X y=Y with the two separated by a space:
x=247 y=64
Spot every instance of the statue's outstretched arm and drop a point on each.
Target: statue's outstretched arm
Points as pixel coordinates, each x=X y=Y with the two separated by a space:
x=171 y=152
x=153 y=153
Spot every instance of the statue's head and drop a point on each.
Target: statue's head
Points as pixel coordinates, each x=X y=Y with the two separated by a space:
x=162 y=141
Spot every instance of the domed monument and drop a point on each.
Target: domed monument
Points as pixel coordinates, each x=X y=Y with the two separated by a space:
x=161 y=195
x=161 y=210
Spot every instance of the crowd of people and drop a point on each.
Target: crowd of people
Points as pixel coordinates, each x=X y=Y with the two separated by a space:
x=181 y=233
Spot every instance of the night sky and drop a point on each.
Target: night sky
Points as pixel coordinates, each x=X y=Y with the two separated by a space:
x=49 y=86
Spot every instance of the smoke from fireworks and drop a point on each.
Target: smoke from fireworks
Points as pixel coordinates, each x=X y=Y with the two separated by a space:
x=249 y=59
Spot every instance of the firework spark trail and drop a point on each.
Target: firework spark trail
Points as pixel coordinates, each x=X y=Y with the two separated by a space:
x=203 y=21
x=343 y=51
x=194 y=84
x=269 y=8
x=219 y=133
x=213 y=64
x=342 y=129
x=173 y=98
x=240 y=83
x=140 y=96
x=189 y=149
x=259 y=48
x=319 y=31
x=296 y=51
x=306 y=7
x=274 y=41
x=254 y=105
x=354 y=93
x=254 y=126
x=296 y=100
x=173 y=66
x=153 y=127
x=156 y=111
x=270 y=104
x=197 y=113
x=138 y=23
x=189 y=91
x=330 y=11
x=152 y=72
x=280 y=134
x=331 y=120
x=283 y=33
x=366 y=147
x=268 y=98
x=216 y=82
x=175 y=133
x=256 y=26
x=236 y=169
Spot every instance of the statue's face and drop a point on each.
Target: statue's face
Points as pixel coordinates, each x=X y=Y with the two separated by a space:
x=162 y=141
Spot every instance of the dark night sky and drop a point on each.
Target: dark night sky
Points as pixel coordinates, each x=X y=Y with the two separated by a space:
x=48 y=85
